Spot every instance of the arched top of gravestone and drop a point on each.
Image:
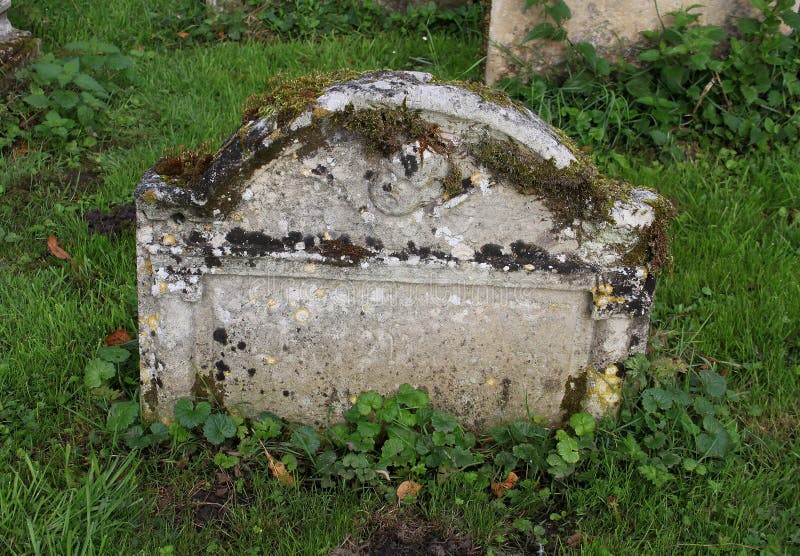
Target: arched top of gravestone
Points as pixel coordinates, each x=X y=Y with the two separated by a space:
x=387 y=160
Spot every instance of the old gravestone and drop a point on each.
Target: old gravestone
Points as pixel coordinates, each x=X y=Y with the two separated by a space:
x=363 y=231
x=16 y=47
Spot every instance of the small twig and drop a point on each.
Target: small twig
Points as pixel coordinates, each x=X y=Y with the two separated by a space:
x=722 y=87
x=703 y=95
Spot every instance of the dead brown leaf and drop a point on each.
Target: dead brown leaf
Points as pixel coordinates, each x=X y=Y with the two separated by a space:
x=55 y=250
x=277 y=468
x=499 y=489
x=119 y=336
x=408 y=488
x=183 y=34
x=578 y=538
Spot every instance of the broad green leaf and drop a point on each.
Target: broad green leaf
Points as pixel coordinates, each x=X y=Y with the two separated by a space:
x=410 y=397
x=714 y=384
x=97 y=372
x=391 y=448
x=88 y=83
x=47 y=71
x=114 y=354
x=135 y=438
x=66 y=99
x=369 y=401
x=567 y=447
x=121 y=416
x=159 y=432
x=218 y=427
x=306 y=439
x=655 y=475
x=650 y=55
x=368 y=430
x=506 y=461
x=37 y=100
x=356 y=461
x=225 y=461
x=544 y=30
x=190 y=416
x=442 y=421
x=582 y=423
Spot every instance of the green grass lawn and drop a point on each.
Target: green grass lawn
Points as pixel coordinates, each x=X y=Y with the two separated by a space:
x=731 y=300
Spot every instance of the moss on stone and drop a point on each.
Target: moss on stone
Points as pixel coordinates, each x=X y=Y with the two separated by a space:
x=387 y=129
x=574 y=395
x=184 y=168
x=452 y=182
x=288 y=98
x=577 y=191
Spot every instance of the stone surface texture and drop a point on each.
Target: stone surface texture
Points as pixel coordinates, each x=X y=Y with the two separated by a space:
x=612 y=26
x=306 y=267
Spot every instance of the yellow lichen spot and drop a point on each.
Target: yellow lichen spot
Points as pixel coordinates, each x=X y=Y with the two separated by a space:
x=149 y=197
x=475 y=179
x=270 y=360
x=168 y=240
x=602 y=295
x=302 y=314
x=148 y=267
x=306 y=172
x=208 y=227
x=605 y=389
x=162 y=287
x=641 y=272
x=152 y=322
x=326 y=236
x=529 y=267
x=321 y=293
x=235 y=217
x=353 y=399
x=310 y=268
x=490 y=381
x=271 y=302
x=320 y=112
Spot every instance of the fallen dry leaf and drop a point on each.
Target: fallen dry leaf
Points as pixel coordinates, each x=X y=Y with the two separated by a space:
x=55 y=250
x=408 y=488
x=183 y=34
x=119 y=336
x=499 y=489
x=277 y=468
x=578 y=538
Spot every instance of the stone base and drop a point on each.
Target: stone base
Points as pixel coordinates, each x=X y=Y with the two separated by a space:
x=16 y=51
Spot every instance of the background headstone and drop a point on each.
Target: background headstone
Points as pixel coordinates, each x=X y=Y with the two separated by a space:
x=360 y=234
x=16 y=47
x=613 y=27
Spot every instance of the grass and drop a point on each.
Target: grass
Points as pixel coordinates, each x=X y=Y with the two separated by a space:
x=732 y=295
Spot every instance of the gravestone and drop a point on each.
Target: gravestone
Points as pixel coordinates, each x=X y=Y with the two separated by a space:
x=16 y=47
x=613 y=27
x=359 y=232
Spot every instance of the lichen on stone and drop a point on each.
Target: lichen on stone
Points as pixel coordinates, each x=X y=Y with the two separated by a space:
x=487 y=93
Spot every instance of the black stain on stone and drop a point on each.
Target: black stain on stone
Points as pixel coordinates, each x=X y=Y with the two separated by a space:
x=309 y=241
x=254 y=243
x=212 y=261
x=369 y=174
x=241 y=345
x=374 y=243
x=221 y=335
x=319 y=170
x=505 y=392
x=292 y=239
x=285 y=393
x=251 y=371
x=410 y=164
x=222 y=368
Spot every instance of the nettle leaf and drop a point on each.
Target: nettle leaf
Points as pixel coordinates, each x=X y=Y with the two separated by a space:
x=368 y=401
x=189 y=415
x=88 y=83
x=306 y=439
x=582 y=423
x=37 y=100
x=97 y=372
x=443 y=422
x=66 y=99
x=714 y=384
x=114 y=354
x=412 y=398
x=47 y=71
x=121 y=416
x=567 y=447
x=218 y=427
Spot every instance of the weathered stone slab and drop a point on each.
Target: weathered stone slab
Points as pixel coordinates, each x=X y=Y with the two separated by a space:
x=613 y=27
x=16 y=47
x=361 y=234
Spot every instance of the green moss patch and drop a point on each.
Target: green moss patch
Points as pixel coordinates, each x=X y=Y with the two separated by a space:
x=577 y=191
x=184 y=168
x=288 y=98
